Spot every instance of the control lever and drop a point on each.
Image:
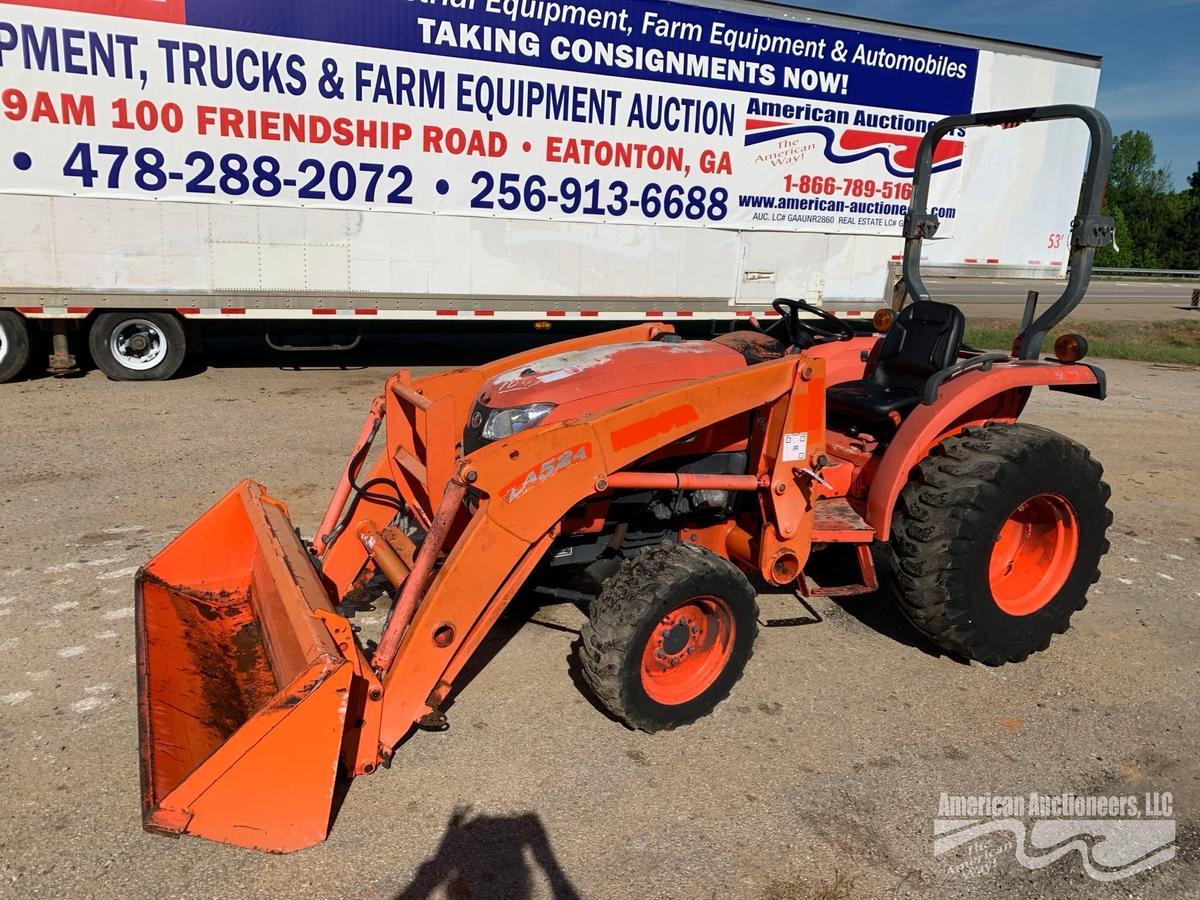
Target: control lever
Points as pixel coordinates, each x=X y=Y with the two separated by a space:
x=815 y=472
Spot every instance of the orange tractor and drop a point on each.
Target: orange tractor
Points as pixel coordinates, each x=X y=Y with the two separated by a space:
x=663 y=479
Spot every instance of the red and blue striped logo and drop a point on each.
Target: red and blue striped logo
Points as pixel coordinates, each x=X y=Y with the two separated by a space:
x=897 y=150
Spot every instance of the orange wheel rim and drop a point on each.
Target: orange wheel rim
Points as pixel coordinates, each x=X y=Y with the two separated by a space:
x=687 y=650
x=1034 y=554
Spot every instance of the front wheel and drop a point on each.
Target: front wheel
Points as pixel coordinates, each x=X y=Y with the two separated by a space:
x=138 y=346
x=997 y=540
x=668 y=637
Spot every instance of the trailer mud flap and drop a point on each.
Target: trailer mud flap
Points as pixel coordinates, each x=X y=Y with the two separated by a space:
x=242 y=692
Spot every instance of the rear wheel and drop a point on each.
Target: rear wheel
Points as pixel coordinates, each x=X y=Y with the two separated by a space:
x=668 y=637
x=138 y=346
x=15 y=345
x=997 y=540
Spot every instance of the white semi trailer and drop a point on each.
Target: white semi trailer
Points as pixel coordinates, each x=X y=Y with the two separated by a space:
x=168 y=164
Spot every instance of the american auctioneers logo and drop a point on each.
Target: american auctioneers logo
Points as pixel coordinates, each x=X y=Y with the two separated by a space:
x=1115 y=836
x=897 y=149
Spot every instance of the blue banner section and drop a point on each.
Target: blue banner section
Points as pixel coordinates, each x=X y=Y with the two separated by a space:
x=649 y=40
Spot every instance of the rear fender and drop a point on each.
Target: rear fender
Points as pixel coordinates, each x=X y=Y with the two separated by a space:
x=974 y=398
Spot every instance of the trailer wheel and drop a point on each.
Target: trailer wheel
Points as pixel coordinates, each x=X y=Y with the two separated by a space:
x=138 y=346
x=15 y=344
x=998 y=539
x=668 y=637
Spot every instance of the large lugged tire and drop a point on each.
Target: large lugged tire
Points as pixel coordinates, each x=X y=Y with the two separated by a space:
x=668 y=637
x=997 y=540
x=137 y=346
x=15 y=344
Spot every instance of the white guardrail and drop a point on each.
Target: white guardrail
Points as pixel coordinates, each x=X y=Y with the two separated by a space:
x=1146 y=273
x=893 y=285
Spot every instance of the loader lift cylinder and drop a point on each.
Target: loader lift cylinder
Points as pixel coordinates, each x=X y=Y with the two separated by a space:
x=388 y=561
x=328 y=529
x=418 y=579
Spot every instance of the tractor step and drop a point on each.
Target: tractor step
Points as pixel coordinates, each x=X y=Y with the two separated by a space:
x=836 y=522
x=868 y=585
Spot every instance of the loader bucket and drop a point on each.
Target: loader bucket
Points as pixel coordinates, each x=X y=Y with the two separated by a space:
x=242 y=692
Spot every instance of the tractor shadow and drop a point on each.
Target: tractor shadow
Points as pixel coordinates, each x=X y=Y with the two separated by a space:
x=877 y=611
x=482 y=857
x=525 y=609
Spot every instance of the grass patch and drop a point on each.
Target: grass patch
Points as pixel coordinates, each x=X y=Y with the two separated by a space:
x=1161 y=342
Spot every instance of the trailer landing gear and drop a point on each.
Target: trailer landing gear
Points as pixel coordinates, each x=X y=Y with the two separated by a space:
x=62 y=363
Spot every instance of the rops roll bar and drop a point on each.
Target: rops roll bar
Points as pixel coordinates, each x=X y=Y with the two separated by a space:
x=1089 y=231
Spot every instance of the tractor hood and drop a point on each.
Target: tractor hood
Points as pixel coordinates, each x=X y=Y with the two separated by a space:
x=587 y=375
x=588 y=381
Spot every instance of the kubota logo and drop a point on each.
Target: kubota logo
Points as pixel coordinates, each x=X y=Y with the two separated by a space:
x=898 y=150
x=648 y=429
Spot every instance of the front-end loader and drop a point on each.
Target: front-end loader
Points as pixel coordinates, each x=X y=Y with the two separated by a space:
x=663 y=481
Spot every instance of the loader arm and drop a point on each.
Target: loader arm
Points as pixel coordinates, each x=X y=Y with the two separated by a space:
x=526 y=484
x=423 y=420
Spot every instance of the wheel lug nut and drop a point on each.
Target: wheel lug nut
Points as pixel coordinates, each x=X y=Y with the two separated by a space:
x=695 y=629
x=660 y=654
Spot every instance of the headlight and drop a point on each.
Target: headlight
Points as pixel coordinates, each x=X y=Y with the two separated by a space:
x=506 y=422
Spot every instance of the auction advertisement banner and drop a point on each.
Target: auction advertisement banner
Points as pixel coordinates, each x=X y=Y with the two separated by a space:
x=643 y=112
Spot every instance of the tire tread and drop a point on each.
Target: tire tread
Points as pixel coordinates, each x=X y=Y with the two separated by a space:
x=617 y=614
x=939 y=519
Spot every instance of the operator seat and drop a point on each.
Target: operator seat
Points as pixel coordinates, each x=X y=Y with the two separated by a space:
x=923 y=340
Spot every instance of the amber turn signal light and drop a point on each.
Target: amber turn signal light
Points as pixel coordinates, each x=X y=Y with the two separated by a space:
x=1070 y=348
x=882 y=320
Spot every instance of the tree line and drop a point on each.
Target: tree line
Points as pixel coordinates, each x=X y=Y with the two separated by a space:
x=1157 y=228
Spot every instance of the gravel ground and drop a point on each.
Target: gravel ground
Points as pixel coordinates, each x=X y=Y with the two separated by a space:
x=819 y=778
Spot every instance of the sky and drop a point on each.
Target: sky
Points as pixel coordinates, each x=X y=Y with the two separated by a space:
x=1150 y=80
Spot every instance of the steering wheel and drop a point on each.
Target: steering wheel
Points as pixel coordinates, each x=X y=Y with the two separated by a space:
x=802 y=333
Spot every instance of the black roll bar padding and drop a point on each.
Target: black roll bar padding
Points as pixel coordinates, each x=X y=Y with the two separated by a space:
x=983 y=361
x=1089 y=231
